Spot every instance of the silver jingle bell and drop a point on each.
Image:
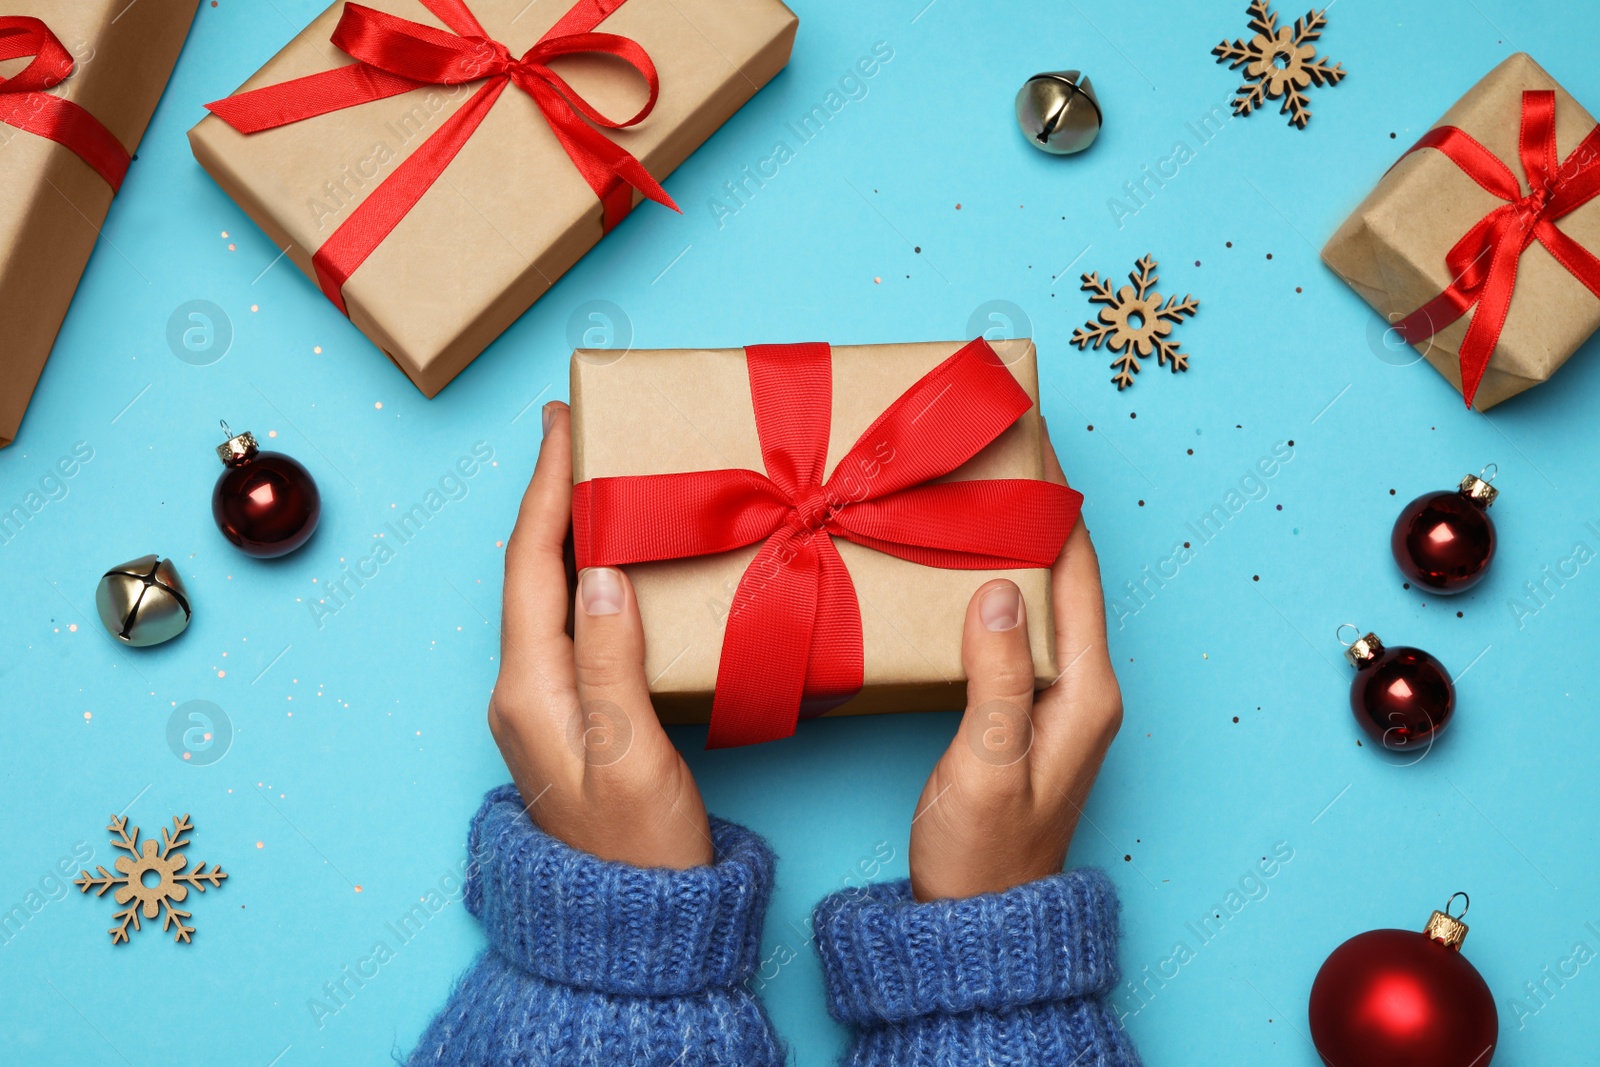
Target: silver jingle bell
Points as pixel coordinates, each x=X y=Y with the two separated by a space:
x=1059 y=112
x=143 y=602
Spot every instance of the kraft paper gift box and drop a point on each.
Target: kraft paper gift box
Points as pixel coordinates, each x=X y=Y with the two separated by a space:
x=671 y=411
x=1392 y=249
x=52 y=202
x=511 y=213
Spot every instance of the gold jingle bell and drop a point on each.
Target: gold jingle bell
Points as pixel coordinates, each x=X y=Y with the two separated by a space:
x=1059 y=112
x=143 y=602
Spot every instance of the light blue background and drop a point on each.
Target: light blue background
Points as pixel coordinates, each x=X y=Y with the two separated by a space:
x=361 y=749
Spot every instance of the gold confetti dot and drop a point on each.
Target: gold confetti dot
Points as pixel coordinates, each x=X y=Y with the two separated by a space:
x=222 y=674
x=88 y=715
x=72 y=627
x=272 y=433
x=260 y=845
x=232 y=247
x=224 y=235
x=255 y=307
x=877 y=281
x=358 y=889
x=378 y=405
x=316 y=350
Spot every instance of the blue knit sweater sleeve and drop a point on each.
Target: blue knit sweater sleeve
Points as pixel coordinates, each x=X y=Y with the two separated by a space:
x=1019 y=977
x=596 y=963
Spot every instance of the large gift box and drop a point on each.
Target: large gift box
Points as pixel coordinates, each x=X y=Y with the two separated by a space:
x=805 y=525
x=435 y=165
x=78 y=84
x=1478 y=245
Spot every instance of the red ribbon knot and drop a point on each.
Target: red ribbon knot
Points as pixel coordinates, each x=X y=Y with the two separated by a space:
x=1484 y=262
x=814 y=511
x=25 y=104
x=792 y=645
x=395 y=55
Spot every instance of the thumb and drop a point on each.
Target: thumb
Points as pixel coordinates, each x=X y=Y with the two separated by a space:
x=616 y=716
x=998 y=726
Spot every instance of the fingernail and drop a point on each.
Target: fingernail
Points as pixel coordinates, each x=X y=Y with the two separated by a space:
x=549 y=415
x=600 y=591
x=1001 y=607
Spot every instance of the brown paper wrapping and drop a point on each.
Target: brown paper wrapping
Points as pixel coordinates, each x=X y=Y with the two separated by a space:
x=669 y=411
x=511 y=213
x=52 y=203
x=1392 y=249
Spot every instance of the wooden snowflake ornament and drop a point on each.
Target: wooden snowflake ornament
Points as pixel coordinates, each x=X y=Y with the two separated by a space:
x=167 y=884
x=1135 y=322
x=1278 y=62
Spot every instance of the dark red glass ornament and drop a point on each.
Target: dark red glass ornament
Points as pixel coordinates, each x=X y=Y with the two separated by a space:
x=266 y=503
x=1402 y=696
x=1444 y=541
x=1395 y=998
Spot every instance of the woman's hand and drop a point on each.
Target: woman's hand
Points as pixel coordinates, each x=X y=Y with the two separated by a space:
x=572 y=715
x=1002 y=802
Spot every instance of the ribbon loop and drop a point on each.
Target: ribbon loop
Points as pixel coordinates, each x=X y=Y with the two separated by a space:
x=412 y=50
x=26 y=105
x=395 y=55
x=792 y=646
x=623 y=48
x=1483 y=264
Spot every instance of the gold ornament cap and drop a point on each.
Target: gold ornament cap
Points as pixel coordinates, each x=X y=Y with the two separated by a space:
x=1448 y=929
x=1363 y=650
x=1477 y=489
x=238 y=448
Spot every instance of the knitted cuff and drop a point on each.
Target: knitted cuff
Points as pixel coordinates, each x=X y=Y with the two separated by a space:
x=887 y=958
x=571 y=918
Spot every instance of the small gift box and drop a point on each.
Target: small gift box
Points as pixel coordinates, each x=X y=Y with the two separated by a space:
x=805 y=525
x=78 y=84
x=474 y=150
x=1478 y=244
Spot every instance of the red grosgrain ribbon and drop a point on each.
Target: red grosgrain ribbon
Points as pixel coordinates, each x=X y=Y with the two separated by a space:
x=793 y=639
x=1484 y=262
x=394 y=55
x=25 y=104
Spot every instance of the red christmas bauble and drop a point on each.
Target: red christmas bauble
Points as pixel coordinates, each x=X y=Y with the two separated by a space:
x=1402 y=696
x=266 y=503
x=1444 y=541
x=1394 y=998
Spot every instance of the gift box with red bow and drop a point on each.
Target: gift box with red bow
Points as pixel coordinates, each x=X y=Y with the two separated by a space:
x=78 y=84
x=1479 y=245
x=805 y=525
x=435 y=165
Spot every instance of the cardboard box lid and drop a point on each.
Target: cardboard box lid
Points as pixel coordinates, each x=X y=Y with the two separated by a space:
x=511 y=213
x=667 y=411
x=1392 y=248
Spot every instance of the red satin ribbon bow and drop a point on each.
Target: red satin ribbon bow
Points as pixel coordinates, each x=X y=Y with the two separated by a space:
x=394 y=56
x=25 y=104
x=793 y=638
x=1484 y=262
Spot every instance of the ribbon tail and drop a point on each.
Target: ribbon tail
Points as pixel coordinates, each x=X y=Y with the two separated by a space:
x=1494 y=303
x=766 y=648
x=600 y=160
x=836 y=668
